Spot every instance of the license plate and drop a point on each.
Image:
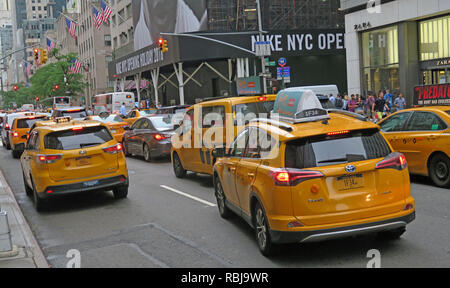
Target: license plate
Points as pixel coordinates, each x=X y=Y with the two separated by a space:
x=350 y=182
x=90 y=183
x=83 y=162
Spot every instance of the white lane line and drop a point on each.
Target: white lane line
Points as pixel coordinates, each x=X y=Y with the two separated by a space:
x=189 y=196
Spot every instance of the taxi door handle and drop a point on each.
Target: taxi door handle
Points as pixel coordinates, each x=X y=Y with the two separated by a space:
x=432 y=137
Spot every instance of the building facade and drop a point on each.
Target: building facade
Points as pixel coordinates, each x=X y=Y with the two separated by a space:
x=65 y=43
x=397 y=45
x=122 y=31
x=94 y=50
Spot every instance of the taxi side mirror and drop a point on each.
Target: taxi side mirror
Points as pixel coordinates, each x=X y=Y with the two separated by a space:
x=218 y=152
x=127 y=128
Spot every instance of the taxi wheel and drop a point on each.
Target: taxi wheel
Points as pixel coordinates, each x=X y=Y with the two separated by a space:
x=28 y=190
x=39 y=204
x=146 y=153
x=16 y=154
x=262 y=230
x=178 y=167
x=440 y=170
x=120 y=193
x=8 y=147
x=224 y=211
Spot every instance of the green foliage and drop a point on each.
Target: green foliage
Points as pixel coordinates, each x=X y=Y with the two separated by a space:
x=45 y=79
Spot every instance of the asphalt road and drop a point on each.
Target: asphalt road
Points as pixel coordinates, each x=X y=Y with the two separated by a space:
x=167 y=222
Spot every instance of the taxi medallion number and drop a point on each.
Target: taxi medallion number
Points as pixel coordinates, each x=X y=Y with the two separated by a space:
x=350 y=182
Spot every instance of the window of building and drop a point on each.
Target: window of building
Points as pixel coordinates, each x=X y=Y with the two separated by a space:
x=380 y=59
x=434 y=37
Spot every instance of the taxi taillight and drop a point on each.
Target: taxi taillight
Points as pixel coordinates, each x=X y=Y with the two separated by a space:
x=113 y=149
x=49 y=159
x=160 y=137
x=6 y=126
x=395 y=161
x=15 y=134
x=293 y=177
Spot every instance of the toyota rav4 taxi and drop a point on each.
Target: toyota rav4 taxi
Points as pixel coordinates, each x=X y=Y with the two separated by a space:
x=72 y=157
x=313 y=175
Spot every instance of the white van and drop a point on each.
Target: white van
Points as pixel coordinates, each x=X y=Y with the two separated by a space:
x=325 y=90
x=111 y=102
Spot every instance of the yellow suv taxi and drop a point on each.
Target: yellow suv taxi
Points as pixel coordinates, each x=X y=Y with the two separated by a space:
x=20 y=128
x=72 y=157
x=423 y=135
x=210 y=124
x=313 y=175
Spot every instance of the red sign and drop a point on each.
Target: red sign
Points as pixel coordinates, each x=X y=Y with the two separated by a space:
x=429 y=95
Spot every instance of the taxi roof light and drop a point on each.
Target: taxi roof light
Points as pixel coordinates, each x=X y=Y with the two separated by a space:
x=296 y=105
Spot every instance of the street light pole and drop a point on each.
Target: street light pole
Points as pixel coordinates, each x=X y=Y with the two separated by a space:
x=263 y=62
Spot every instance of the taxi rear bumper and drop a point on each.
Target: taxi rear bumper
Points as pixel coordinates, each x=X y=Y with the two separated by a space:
x=281 y=237
x=104 y=184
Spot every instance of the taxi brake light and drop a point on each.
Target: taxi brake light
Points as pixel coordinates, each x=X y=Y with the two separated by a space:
x=77 y=129
x=293 y=177
x=113 y=149
x=262 y=98
x=15 y=134
x=49 y=159
x=395 y=161
x=6 y=126
x=337 y=133
x=159 y=137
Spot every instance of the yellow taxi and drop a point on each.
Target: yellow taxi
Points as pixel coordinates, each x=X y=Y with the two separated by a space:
x=18 y=135
x=423 y=136
x=136 y=114
x=115 y=123
x=210 y=124
x=313 y=175
x=66 y=157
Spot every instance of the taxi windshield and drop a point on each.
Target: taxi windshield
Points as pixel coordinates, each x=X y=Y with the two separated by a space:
x=77 y=139
x=325 y=151
x=27 y=123
x=109 y=119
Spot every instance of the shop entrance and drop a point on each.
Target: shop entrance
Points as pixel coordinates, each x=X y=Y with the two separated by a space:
x=436 y=76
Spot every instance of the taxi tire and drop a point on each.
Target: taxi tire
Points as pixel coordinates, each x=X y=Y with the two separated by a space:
x=8 y=147
x=120 y=193
x=262 y=232
x=224 y=211
x=16 y=154
x=436 y=161
x=28 y=190
x=39 y=204
x=178 y=169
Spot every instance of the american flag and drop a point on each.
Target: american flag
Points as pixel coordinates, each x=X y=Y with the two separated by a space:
x=72 y=26
x=107 y=11
x=98 y=18
x=75 y=68
x=50 y=45
x=28 y=69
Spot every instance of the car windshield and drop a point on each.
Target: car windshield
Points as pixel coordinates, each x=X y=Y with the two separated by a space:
x=148 y=112
x=72 y=140
x=75 y=114
x=162 y=123
x=448 y=112
x=325 y=151
x=27 y=123
x=62 y=100
x=109 y=119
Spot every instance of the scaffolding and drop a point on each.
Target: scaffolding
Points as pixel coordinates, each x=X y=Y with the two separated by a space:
x=240 y=15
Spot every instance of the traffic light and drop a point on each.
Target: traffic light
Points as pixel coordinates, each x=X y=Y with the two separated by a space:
x=37 y=99
x=161 y=44
x=44 y=57
x=165 y=48
x=36 y=55
x=16 y=87
x=56 y=87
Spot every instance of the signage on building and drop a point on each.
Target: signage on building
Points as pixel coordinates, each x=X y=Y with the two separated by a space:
x=249 y=86
x=263 y=49
x=445 y=62
x=429 y=95
x=362 y=26
x=135 y=62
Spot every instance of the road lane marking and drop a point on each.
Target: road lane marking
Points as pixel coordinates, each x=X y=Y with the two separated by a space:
x=189 y=196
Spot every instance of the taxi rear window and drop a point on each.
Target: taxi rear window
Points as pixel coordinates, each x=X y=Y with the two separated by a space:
x=27 y=123
x=448 y=112
x=331 y=150
x=77 y=139
x=248 y=111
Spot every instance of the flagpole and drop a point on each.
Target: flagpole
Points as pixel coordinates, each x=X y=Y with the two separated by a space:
x=76 y=22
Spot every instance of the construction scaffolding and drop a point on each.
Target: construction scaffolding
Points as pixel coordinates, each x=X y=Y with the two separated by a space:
x=241 y=15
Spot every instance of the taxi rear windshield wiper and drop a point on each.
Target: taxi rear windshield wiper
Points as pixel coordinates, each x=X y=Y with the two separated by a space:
x=89 y=144
x=348 y=158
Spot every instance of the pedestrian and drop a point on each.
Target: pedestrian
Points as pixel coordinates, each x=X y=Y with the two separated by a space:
x=389 y=98
x=338 y=102
x=379 y=106
x=369 y=105
x=332 y=99
x=400 y=102
x=123 y=110
x=352 y=104
x=345 y=102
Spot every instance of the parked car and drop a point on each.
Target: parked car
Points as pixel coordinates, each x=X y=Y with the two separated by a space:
x=149 y=137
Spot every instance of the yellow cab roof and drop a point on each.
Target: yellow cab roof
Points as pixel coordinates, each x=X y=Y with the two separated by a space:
x=239 y=99
x=336 y=123
x=52 y=126
x=30 y=117
x=430 y=108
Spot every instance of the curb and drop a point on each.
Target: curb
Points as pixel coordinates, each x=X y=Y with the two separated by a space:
x=38 y=255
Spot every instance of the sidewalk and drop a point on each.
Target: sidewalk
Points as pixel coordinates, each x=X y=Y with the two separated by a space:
x=28 y=254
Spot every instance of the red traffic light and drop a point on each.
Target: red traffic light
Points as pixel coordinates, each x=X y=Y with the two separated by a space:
x=16 y=87
x=36 y=51
x=37 y=99
x=56 y=87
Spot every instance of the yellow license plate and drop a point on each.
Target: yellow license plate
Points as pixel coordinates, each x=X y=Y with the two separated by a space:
x=350 y=182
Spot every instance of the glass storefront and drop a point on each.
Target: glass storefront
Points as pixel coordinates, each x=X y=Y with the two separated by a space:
x=434 y=38
x=380 y=60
